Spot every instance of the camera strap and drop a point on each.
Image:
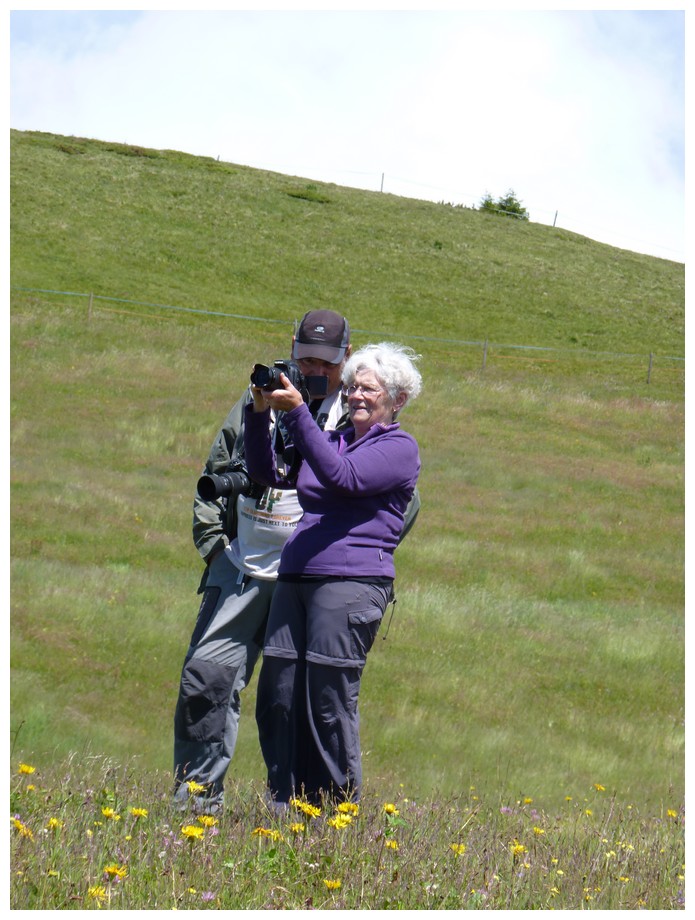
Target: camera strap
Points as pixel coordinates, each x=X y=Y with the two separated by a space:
x=319 y=417
x=288 y=457
x=392 y=602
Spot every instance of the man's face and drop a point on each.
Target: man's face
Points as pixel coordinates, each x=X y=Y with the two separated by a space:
x=316 y=367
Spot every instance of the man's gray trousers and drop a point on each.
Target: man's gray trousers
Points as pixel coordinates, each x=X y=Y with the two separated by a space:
x=224 y=648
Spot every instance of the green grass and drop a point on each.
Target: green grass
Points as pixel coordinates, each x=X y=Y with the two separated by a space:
x=90 y=832
x=537 y=646
x=165 y=227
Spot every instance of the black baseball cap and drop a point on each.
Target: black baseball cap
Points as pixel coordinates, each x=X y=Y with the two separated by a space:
x=322 y=334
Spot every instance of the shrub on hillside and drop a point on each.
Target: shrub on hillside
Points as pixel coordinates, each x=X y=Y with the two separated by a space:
x=508 y=205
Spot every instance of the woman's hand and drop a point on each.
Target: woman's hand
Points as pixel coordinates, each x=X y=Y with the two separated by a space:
x=259 y=403
x=284 y=399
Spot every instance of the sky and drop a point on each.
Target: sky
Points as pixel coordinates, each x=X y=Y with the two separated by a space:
x=581 y=113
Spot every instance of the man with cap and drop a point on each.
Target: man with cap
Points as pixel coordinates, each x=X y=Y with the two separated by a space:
x=240 y=541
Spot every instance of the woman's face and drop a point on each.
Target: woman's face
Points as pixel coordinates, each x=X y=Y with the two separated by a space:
x=369 y=402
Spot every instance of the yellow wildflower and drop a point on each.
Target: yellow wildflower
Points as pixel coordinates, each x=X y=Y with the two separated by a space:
x=195 y=788
x=98 y=892
x=54 y=824
x=22 y=829
x=110 y=814
x=116 y=871
x=332 y=883
x=458 y=848
x=538 y=831
x=310 y=810
x=297 y=827
x=25 y=768
x=391 y=844
x=340 y=821
x=266 y=832
x=599 y=788
x=192 y=831
x=672 y=813
x=349 y=808
x=139 y=812
x=391 y=809
x=207 y=820
x=518 y=848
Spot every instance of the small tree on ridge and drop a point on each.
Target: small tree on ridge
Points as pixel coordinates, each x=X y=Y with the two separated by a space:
x=508 y=205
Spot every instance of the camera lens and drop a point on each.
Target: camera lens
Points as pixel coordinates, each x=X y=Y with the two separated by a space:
x=262 y=376
x=232 y=483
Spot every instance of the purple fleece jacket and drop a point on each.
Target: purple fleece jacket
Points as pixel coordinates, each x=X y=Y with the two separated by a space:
x=354 y=493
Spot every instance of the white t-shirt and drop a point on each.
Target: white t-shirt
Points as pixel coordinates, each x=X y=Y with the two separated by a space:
x=264 y=524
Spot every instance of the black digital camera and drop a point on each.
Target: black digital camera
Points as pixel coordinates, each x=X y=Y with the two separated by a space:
x=268 y=378
x=233 y=482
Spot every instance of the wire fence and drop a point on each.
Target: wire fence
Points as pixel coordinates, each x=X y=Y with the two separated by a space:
x=555 y=217
x=487 y=349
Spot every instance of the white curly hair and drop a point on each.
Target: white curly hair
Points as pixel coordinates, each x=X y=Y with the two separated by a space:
x=393 y=365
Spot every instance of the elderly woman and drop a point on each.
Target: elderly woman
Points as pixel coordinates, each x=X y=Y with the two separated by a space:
x=336 y=570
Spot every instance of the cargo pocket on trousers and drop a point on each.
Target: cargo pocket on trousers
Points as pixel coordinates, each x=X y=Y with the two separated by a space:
x=364 y=625
x=201 y=711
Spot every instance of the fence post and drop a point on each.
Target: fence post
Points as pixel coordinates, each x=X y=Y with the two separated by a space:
x=485 y=354
x=649 y=372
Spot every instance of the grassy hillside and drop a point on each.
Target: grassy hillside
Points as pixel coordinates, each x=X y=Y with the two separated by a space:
x=170 y=228
x=537 y=645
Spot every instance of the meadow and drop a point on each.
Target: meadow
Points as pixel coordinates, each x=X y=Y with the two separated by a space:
x=90 y=833
x=533 y=670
